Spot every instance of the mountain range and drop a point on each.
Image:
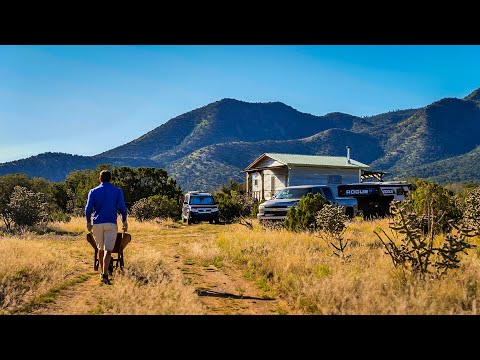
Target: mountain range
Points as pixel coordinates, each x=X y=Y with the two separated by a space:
x=204 y=148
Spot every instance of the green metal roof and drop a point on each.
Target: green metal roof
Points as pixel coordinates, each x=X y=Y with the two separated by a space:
x=313 y=160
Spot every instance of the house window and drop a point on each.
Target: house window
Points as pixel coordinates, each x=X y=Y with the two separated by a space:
x=334 y=179
x=255 y=182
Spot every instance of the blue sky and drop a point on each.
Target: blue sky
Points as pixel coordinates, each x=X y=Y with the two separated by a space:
x=88 y=99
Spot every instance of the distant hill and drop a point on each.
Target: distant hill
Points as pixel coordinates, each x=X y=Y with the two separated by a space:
x=204 y=148
x=465 y=167
x=224 y=121
x=446 y=128
x=56 y=166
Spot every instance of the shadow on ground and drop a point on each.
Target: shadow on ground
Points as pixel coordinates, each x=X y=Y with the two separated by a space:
x=205 y=292
x=62 y=232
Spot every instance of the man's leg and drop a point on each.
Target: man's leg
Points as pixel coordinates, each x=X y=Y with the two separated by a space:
x=98 y=235
x=106 y=261
x=101 y=256
x=110 y=236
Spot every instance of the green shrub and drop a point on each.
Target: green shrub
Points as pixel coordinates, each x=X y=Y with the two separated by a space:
x=228 y=205
x=432 y=200
x=157 y=206
x=234 y=205
x=27 y=208
x=302 y=217
x=59 y=216
x=165 y=207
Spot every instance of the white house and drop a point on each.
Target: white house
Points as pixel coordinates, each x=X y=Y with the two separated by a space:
x=271 y=172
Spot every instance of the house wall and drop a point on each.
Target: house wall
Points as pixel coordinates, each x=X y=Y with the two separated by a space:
x=297 y=175
x=309 y=175
x=280 y=180
x=268 y=162
x=256 y=181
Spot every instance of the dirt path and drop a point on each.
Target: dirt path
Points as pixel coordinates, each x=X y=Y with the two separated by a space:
x=74 y=300
x=224 y=291
x=221 y=290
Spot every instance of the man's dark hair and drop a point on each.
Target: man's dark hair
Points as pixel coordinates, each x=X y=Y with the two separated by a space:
x=105 y=176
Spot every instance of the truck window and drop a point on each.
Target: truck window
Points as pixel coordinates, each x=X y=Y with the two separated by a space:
x=327 y=194
x=292 y=193
x=202 y=200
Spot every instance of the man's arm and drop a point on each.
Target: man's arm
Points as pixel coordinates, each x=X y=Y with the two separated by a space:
x=89 y=207
x=121 y=206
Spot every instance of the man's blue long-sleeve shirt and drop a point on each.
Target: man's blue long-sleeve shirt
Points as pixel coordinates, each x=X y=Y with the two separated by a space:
x=104 y=201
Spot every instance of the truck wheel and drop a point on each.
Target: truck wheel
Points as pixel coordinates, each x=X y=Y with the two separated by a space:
x=349 y=212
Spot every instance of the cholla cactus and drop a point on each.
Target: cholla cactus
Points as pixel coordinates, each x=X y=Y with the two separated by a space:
x=331 y=223
x=413 y=247
x=331 y=219
x=472 y=210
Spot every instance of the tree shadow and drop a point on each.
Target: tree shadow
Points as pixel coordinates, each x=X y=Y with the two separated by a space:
x=62 y=232
x=37 y=230
x=212 y=293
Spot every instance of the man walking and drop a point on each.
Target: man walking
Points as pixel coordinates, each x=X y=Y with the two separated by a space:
x=103 y=202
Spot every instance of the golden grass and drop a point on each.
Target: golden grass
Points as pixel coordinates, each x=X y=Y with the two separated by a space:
x=300 y=268
x=147 y=286
x=28 y=268
x=35 y=268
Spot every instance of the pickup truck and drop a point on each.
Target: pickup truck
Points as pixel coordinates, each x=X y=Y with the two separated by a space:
x=277 y=208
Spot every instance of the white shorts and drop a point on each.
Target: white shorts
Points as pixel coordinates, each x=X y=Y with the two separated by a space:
x=105 y=235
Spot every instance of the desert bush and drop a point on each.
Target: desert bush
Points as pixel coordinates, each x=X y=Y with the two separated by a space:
x=37 y=185
x=248 y=205
x=302 y=217
x=331 y=224
x=59 y=216
x=431 y=199
x=273 y=224
x=234 y=205
x=165 y=207
x=331 y=219
x=27 y=208
x=413 y=247
x=472 y=209
x=142 y=210
x=228 y=206
x=157 y=206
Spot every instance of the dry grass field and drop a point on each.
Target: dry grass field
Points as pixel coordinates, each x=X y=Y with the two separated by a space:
x=172 y=268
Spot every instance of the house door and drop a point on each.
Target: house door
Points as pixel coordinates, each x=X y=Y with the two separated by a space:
x=272 y=186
